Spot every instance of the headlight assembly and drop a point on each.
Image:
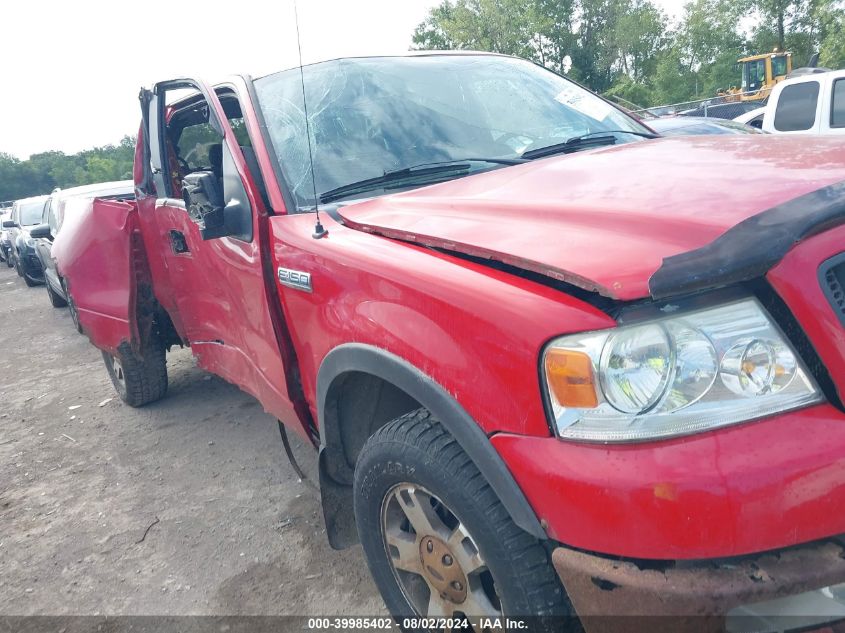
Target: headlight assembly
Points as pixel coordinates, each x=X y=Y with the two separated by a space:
x=673 y=376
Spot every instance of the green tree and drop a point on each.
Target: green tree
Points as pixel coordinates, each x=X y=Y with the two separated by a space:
x=640 y=38
x=827 y=20
x=557 y=36
x=710 y=43
x=499 y=26
x=45 y=171
x=674 y=80
x=640 y=35
x=434 y=33
x=595 y=41
x=803 y=27
x=776 y=15
x=624 y=47
x=14 y=178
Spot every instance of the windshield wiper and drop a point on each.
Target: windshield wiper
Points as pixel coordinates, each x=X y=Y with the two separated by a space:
x=597 y=138
x=634 y=132
x=422 y=174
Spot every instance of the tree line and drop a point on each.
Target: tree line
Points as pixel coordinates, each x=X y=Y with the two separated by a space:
x=43 y=172
x=628 y=48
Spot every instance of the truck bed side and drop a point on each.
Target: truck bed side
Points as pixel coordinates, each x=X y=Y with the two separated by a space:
x=95 y=254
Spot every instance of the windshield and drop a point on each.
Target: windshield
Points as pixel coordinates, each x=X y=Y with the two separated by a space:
x=754 y=75
x=369 y=116
x=30 y=212
x=779 y=66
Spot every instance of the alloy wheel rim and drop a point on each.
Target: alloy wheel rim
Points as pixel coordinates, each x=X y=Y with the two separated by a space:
x=434 y=558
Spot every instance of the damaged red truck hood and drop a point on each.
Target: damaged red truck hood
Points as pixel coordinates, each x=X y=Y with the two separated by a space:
x=604 y=220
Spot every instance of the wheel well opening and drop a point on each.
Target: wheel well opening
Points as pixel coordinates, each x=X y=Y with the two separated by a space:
x=356 y=405
x=153 y=321
x=359 y=404
x=361 y=388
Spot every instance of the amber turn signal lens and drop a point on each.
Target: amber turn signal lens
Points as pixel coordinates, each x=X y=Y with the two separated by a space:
x=570 y=377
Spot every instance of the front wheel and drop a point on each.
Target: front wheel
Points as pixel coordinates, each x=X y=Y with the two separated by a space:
x=438 y=541
x=138 y=379
x=30 y=281
x=55 y=299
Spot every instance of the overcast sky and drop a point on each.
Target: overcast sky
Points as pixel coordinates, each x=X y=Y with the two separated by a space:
x=71 y=70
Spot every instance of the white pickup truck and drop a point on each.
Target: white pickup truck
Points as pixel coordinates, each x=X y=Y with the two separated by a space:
x=810 y=104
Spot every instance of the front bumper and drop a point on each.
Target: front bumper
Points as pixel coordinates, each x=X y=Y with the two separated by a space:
x=775 y=591
x=749 y=488
x=31 y=265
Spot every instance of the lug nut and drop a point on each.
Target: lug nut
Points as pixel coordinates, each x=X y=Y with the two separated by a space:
x=429 y=547
x=447 y=560
x=456 y=585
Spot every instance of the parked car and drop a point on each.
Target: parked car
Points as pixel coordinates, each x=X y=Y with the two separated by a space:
x=754 y=118
x=807 y=104
x=720 y=110
x=61 y=203
x=551 y=363
x=694 y=126
x=5 y=242
x=26 y=214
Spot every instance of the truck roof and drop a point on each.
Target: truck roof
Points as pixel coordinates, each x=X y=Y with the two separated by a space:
x=821 y=75
x=422 y=53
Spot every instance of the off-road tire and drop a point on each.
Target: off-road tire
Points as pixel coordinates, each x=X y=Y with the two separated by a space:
x=56 y=300
x=138 y=380
x=18 y=268
x=29 y=281
x=415 y=448
x=9 y=261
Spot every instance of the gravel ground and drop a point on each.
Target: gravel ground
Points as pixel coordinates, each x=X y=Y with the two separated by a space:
x=83 y=477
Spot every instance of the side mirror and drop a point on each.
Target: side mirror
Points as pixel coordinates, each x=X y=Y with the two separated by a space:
x=41 y=231
x=204 y=203
x=220 y=213
x=9 y=224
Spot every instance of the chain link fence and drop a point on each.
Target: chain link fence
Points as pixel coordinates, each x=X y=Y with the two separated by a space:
x=721 y=107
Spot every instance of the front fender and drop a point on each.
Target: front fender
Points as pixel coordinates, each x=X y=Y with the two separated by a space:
x=368 y=359
x=476 y=331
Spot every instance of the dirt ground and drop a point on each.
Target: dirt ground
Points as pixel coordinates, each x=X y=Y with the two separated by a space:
x=83 y=476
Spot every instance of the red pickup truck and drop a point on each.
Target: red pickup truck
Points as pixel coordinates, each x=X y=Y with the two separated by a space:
x=553 y=363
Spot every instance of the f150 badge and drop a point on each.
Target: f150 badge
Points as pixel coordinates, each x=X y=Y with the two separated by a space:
x=295 y=279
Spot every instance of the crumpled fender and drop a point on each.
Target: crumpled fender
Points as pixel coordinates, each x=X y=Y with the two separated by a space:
x=95 y=256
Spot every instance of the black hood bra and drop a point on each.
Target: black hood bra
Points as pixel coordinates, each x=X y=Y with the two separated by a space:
x=752 y=247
